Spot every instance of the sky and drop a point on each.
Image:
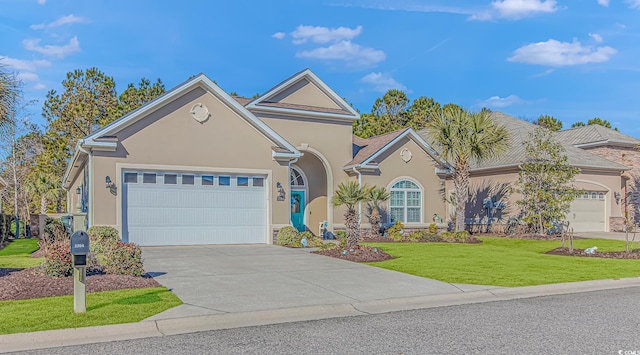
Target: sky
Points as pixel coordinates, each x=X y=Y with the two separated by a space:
x=574 y=60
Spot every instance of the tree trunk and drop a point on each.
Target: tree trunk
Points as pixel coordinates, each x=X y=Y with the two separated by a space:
x=461 y=184
x=374 y=220
x=353 y=227
x=43 y=204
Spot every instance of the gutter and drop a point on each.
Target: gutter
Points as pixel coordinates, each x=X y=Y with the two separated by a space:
x=91 y=178
x=292 y=161
x=355 y=170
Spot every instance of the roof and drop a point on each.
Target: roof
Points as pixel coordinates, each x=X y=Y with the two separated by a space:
x=266 y=103
x=365 y=150
x=596 y=135
x=519 y=131
x=242 y=100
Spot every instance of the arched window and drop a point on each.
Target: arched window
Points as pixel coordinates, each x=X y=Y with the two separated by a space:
x=406 y=202
x=296 y=179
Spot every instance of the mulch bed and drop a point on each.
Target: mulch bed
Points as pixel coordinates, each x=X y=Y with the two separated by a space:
x=20 y=284
x=598 y=254
x=470 y=240
x=358 y=254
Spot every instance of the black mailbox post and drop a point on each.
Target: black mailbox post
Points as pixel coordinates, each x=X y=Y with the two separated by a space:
x=79 y=252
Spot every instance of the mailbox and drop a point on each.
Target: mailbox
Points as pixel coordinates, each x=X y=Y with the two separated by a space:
x=79 y=248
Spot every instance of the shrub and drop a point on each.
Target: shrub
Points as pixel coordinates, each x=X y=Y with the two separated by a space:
x=341 y=234
x=101 y=238
x=433 y=228
x=123 y=259
x=462 y=236
x=417 y=236
x=54 y=231
x=455 y=237
x=396 y=232
x=57 y=258
x=448 y=236
x=433 y=238
x=288 y=236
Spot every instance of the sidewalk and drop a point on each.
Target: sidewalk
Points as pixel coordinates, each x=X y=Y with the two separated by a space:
x=173 y=326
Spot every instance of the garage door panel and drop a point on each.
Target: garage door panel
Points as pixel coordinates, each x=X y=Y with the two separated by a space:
x=160 y=214
x=587 y=215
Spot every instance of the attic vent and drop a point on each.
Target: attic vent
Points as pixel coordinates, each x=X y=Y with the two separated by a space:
x=200 y=112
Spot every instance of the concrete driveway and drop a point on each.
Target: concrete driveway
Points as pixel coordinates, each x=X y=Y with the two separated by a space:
x=213 y=279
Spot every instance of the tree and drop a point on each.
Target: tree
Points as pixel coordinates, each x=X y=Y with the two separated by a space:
x=463 y=137
x=549 y=122
x=376 y=196
x=349 y=195
x=595 y=120
x=7 y=92
x=578 y=124
x=46 y=187
x=546 y=181
x=134 y=97
x=421 y=110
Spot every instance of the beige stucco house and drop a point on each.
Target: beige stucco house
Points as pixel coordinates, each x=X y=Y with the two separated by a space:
x=197 y=166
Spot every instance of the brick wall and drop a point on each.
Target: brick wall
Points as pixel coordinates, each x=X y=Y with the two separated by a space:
x=629 y=157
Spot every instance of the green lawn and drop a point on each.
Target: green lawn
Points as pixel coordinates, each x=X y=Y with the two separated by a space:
x=505 y=262
x=110 y=307
x=18 y=254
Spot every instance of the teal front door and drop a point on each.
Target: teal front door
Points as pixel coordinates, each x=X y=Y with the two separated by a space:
x=297 y=210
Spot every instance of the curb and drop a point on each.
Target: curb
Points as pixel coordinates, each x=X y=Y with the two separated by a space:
x=175 y=326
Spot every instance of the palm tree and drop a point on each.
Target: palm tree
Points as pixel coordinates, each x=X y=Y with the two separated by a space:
x=45 y=186
x=349 y=195
x=463 y=137
x=376 y=196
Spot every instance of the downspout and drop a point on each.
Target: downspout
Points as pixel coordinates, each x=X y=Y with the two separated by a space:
x=355 y=170
x=293 y=161
x=90 y=195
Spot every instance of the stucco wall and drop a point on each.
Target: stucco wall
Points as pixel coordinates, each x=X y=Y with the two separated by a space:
x=171 y=138
x=420 y=169
x=305 y=93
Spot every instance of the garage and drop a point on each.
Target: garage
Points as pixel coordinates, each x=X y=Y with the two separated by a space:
x=588 y=213
x=186 y=208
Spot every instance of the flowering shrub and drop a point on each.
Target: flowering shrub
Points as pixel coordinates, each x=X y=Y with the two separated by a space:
x=57 y=258
x=101 y=238
x=124 y=259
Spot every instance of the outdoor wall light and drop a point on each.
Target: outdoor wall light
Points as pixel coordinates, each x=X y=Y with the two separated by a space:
x=78 y=191
x=108 y=183
x=617 y=196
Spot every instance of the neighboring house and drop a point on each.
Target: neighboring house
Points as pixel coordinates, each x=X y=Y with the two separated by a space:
x=600 y=178
x=617 y=147
x=197 y=166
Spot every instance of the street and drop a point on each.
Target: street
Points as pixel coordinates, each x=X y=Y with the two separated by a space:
x=603 y=322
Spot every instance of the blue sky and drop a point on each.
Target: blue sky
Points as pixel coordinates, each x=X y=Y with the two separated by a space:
x=574 y=60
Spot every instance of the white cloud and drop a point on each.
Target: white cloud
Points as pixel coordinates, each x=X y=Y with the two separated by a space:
x=351 y=53
x=501 y=102
x=556 y=54
x=42 y=2
x=382 y=82
x=318 y=34
x=515 y=9
x=604 y=3
x=51 y=50
x=634 y=4
x=596 y=37
x=19 y=64
x=28 y=76
x=279 y=35
x=65 y=20
x=39 y=86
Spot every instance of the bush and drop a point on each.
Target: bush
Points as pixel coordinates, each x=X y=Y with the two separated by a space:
x=288 y=236
x=54 y=231
x=417 y=236
x=396 y=232
x=341 y=235
x=57 y=258
x=455 y=237
x=433 y=228
x=101 y=238
x=123 y=259
x=433 y=238
x=462 y=236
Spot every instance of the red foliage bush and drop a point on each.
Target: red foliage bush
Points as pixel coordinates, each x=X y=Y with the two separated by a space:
x=57 y=258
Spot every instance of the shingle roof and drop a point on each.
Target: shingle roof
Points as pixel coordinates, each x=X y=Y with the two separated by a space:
x=519 y=133
x=365 y=148
x=303 y=107
x=596 y=135
x=242 y=100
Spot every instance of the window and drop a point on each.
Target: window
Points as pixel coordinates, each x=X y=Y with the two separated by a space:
x=148 y=178
x=258 y=182
x=207 y=180
x=170 y=179
x=296 y=178
x=187 y=179
x=224 y=180
x=406 y=202
x=130 y=178
x=594 y=195
x=243 y=181
x=601 y=195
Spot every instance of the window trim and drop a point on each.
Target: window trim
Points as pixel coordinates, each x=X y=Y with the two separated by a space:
x=405 y=207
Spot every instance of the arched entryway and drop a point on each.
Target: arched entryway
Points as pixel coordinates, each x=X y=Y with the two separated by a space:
x=309 y=198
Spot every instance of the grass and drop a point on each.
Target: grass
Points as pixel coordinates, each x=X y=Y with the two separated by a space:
x=110 y=307
x=18 y=254
x=506 y=262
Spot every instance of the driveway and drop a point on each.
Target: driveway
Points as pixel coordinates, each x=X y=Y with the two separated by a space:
x=213 y=279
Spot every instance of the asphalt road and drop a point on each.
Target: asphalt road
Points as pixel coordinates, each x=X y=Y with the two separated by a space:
x=603 y=322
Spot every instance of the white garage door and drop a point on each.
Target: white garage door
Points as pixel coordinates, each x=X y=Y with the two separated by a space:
x=165 y=208
x=588 y=212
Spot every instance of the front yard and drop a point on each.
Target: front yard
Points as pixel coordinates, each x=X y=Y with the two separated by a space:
x=506 y=262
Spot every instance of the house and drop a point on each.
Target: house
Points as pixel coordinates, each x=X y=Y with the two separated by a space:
x=197 y=166
x=600 y=178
